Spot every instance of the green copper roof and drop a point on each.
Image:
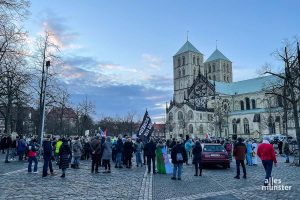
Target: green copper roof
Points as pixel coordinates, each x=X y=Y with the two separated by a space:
x=187 y=47
x=216 y=55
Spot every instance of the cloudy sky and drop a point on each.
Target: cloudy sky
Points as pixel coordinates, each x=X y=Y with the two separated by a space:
x=118 y=53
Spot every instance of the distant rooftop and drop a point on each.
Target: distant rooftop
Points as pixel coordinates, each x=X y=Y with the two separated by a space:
x=187 y=47
x=246 y=86
x=217 y=55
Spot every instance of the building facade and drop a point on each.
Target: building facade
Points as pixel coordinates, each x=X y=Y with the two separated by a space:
x=207 y=102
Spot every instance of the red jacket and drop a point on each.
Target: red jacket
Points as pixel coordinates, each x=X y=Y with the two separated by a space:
x=266 y=152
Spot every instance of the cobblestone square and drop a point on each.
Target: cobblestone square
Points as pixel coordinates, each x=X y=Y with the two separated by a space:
x=135 y=183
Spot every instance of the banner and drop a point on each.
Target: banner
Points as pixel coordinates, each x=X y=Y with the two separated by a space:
x=146 y=128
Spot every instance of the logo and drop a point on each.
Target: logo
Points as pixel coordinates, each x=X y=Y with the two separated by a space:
x=275 y=184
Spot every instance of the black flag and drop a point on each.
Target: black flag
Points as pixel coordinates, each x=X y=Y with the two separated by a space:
x=146 y=128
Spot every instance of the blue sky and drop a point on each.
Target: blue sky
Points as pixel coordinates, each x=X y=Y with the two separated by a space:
x=118 y=53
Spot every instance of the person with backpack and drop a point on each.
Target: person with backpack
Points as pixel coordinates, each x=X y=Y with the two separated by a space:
x=21 y=147
x=32 y=153
x=178 y=156
x=76 y=152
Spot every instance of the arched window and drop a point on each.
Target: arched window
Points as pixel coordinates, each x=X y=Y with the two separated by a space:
x=194 y=60
x=253 y=103
x=179 y=73
x=279 y=101
x=247 y=103
x=191 y=129
x=170 y=116
x=180 y=115
x=183 y=72
x=234 y=126
x=228 y=79
x=209 y=68
x=178 y=62
x=201 y=129
x=194 y=72
x=242 y=105
x=224 y=78
x=190 y=115
x=183 y=60
x=214 y=67
x=198 y=63
x=246 y=126
x=271 y=125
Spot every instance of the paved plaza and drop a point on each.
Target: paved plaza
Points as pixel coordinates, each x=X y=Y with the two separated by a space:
x=135 y=183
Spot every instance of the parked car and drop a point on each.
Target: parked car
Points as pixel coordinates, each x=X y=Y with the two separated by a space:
x=215 y=154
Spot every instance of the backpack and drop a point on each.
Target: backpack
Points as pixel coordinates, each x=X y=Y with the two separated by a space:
x=228 y=147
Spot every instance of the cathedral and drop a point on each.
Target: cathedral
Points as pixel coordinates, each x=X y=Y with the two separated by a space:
x=206 y=101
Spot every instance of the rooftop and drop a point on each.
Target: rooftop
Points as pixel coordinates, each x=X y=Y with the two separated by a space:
x=217 y=55
x=187 y=47
x=246 y=86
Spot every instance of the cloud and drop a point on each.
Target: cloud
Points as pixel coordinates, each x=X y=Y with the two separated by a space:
x=152 y=61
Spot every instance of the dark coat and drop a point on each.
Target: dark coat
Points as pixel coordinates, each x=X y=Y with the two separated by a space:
x=96 y=146
x=197 y=153
x=7 y=142
x=149 y=149
x=178 y=148
x=239 y=151
x=119 y=146
x=64 y=155
x=128 y=149
x=47 y=148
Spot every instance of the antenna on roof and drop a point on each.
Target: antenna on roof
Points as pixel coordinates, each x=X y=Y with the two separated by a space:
x=216 y=44
x=187 y=36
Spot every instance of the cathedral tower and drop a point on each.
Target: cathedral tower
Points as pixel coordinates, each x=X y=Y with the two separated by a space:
x=186 y=65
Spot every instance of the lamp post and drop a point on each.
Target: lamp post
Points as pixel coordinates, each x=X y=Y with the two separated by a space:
x=44 y=102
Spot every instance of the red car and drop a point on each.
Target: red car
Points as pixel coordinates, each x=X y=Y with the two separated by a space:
x=215 y=154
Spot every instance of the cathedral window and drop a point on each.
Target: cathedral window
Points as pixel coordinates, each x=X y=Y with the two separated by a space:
x=253 y=103
x=201 y=129
x=200 y=116
x=198 y=63
x=170 y=116
x=183 y=60
x=242 y=105
x=180 y=115
x=224 y=78
x=246 y=126
x=191 y=129
x=214 y=67
x=247 y=103
x=279 y=101
x=178 y=62
x=271 y=125
x=183 y=72
x=190 y=115
x=194 y=60
x=209 y=68
x=179 y=73
x=194 y=72
x=234 y=126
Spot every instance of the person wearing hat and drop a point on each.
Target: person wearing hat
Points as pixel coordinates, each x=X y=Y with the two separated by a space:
x=266 y=152
x=239 y=152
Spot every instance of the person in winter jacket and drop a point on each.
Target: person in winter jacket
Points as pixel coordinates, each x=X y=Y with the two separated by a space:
x=21 y=147
x=32 y=153
x=76 y=152
x=239 y=152
x=188 y=147
x=64 y=156
x=178 y=156
x=47 y=156
x=138 y=148
x=95 y=151
x=7 y=143
x=107 y=154
x=149 y=151
x=197 y=158
x=57 y=147
x=119 y=152
x=267 y=155
x=128 y=151
x=249 y=153
x=286 y=151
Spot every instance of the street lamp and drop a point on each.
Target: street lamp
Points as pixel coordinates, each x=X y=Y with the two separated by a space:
x=44 y=102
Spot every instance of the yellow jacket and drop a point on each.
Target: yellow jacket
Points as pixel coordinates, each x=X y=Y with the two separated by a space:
x=57 y=147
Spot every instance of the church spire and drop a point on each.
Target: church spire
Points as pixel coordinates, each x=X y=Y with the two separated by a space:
x=216 y=44
x=187 y=36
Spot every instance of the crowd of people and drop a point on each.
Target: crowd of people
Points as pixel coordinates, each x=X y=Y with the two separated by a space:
x=66 y=152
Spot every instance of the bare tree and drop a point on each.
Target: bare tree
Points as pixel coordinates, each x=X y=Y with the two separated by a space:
x=288 y=86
